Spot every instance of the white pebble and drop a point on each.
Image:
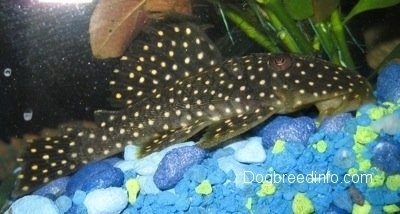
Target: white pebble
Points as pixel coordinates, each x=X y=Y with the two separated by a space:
x=130 y=152
x=237 y=143
x=125 y=165
x=388 y=124
x=106 y=201
x=251 y=152
x=147 y=165
x=147 y=185
x=33 y=204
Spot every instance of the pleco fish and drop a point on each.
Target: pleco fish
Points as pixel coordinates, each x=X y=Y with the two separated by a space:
x=173 y=83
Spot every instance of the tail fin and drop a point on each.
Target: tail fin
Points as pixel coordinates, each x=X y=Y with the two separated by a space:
x=49 y=158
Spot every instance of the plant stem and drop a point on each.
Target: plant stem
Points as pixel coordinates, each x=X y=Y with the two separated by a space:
x=338 y=31
x=282 y=33
x=324 y=35
x=285 y=22
x=251 y=31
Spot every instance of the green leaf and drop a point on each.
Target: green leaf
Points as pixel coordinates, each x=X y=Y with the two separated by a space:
x=364 y=5
x=299 y=9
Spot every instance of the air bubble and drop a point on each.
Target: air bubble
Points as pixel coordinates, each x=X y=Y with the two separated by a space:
x=28 y=113
x=7 y=72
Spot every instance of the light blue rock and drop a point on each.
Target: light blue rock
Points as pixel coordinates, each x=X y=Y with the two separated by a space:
x=106 y=201
x=78 y=197
x=388 y=124
x=147 y=185
x=251 y=152
x=33 y=204
x=148 y=165
x=63 y=203
x=228 y=164
x=125 y=165
x=130 y=152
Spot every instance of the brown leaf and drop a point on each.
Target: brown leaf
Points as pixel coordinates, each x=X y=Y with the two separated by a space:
x=113 y=25
x=183 y=7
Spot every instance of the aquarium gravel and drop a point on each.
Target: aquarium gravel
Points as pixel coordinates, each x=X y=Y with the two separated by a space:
x=344 y=164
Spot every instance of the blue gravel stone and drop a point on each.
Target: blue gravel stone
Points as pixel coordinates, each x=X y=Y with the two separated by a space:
x=283 y=162
x=334 y=124
x=363 y=120
x=175 y=163
x=321 y=202
x=182 y=204
x=305 y=158
x=129 y=174
x=302 y=186
x=130 y=210
x=197 y=173
x=374 y=196
x=94 y=176
x=335 y=210
x=217 y=176
x=388 y=83
x=77 y=209
x=78 y=197
x=147 y=209
x=386 y=156
x=288 y=194
x=54 y=188
x=296 y=130
x=149 y=200
x=342 y=200
x=344 y=158
x=63 y=203
x=196 y=200
x=344 y=141
x=229 y=204
x=182 y=188
x=166 y=198
x=376 y=209
x=391 y=197
x=295 y=149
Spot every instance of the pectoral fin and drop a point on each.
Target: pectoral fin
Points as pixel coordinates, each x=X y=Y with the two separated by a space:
x=232 y=127
x=164 y=139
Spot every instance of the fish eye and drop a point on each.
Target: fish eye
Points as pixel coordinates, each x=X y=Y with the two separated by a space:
x=280 y=62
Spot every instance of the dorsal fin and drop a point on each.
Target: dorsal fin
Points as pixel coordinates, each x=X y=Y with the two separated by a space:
x=165 y=53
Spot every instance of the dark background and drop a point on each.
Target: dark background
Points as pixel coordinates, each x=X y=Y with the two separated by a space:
x=54 y=76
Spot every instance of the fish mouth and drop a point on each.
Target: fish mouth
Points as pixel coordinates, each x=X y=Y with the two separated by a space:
x=340 y=104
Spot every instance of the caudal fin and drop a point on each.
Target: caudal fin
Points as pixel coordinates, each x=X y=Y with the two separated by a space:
x=49 y=158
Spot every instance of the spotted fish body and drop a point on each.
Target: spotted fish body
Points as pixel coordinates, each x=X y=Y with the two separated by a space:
x=173 y=83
